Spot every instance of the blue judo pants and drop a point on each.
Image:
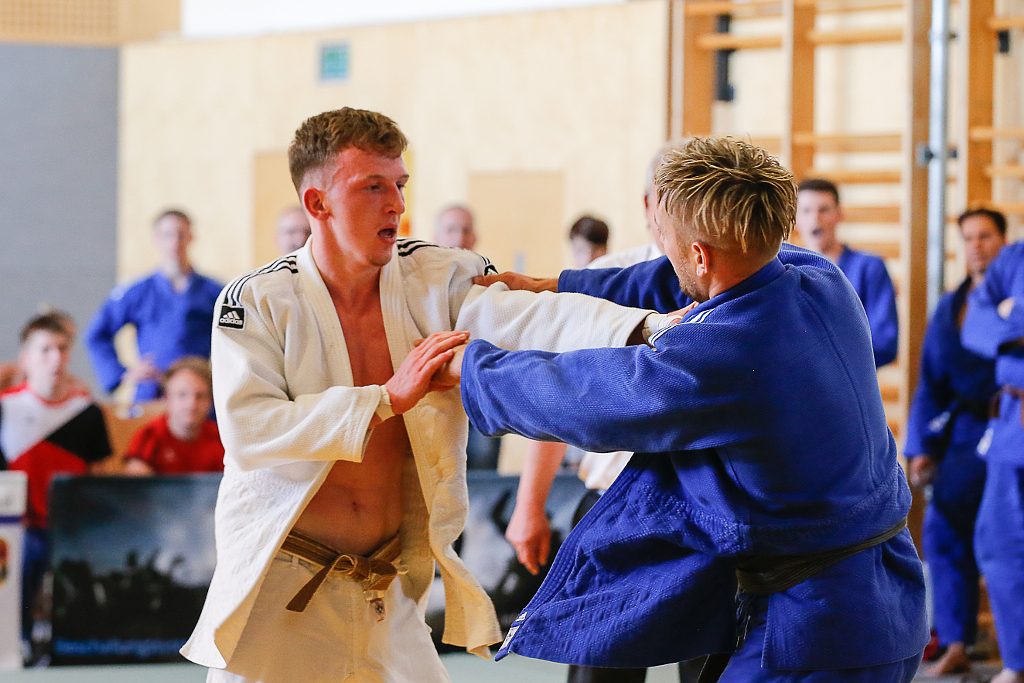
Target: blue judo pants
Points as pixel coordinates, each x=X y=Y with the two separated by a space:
x=745 y=664
x=999 y=543
x=948 y=541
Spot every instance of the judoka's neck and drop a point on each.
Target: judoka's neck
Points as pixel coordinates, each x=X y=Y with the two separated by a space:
x=352 y=288
x=731 y=271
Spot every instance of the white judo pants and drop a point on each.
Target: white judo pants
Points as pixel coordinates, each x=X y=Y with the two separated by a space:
x=337 y=639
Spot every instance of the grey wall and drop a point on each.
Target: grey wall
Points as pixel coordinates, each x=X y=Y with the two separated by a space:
x=58 y=185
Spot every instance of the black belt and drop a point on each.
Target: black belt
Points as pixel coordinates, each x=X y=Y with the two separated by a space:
x=764 y=575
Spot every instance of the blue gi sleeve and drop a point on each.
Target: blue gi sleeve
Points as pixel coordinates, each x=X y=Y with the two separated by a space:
x=880 y=305
x=642 y=400
x=929 y=411
x=984 y=331
x=99 y=339
x=651 y=284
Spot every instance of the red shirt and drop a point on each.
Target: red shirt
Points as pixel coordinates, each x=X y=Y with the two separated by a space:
x=166 y=454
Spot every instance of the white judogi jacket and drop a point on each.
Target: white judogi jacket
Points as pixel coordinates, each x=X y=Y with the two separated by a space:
x=287 y=411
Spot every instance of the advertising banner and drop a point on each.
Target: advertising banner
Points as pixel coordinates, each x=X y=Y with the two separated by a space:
x=132 y=559
x=12 y=509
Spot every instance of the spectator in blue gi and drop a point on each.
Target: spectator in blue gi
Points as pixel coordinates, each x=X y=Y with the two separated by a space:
x=947 y=418
x=994 y=328
x=818 y=215
x=763 y=461
x=171 y=310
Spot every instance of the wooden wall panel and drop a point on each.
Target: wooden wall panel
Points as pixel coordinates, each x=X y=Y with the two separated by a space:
x=577 y=92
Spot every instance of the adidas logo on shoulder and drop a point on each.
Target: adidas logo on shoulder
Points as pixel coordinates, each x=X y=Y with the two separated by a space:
x=231 y=316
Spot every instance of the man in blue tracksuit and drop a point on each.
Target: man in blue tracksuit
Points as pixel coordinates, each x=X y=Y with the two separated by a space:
x=947 y=418
x=763 y=460
x=994 y=328
x=818 y=215
x=171 y=310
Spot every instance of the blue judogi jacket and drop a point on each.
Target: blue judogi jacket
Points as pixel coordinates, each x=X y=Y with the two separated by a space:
x=168 y=325
x=950 y=409
x=991 y=336
x=870 y=279
x=758 y=430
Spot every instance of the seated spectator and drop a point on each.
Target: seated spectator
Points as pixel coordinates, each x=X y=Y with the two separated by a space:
x=184 y=439
x=588 y=240
x=48 y=426
x=11 y=374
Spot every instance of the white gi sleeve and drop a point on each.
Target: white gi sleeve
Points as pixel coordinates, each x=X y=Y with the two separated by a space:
x=545 y=321
x=260 y=424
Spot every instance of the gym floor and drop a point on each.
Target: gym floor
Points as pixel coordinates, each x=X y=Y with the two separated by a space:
x=463 y=669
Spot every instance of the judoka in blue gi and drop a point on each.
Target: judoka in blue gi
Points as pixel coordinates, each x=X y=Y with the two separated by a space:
x=763 y=459
x=818 y=215
x=947 y=419
x=994 y=328
x=171 y=310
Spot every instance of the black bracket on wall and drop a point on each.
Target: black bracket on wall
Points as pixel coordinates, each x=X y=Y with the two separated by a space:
x=1004 y=41
x=724 y=92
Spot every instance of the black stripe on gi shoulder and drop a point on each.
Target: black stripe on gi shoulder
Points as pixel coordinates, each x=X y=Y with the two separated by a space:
x=406 y=251
x=234 y=290
x=489 y=268
x=406 y=246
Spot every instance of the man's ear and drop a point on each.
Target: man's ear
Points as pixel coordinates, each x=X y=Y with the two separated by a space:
x=702 y=258
x=313 y=202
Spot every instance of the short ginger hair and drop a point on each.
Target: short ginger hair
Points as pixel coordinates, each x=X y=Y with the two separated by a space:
x=731 y=194
x=322 y=136
x=197 y=365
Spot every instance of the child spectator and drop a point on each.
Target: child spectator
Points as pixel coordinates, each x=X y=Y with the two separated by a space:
x=184 y=439
x=49 y=425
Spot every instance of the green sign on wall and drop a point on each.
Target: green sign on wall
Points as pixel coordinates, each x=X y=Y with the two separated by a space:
x=334 y=62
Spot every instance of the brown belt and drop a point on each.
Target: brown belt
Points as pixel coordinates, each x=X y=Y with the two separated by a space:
x=374 y=573
x=1012 y=391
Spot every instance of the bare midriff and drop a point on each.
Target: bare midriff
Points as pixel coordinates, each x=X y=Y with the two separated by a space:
x=359 y=505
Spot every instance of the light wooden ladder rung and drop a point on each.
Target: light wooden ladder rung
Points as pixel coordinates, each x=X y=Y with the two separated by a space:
x=983 y=133
x=732 y=41
x=858 y=176
x=748 y=10
x=1005 y=23
x=850 y=142
x=871 y=214
x=1005 y=171
x=845 y=6
x=857 y=36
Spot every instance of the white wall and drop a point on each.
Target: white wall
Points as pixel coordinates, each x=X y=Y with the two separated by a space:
x=220 y=18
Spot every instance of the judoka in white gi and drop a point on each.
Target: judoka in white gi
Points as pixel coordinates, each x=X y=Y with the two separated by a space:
x=344 y=475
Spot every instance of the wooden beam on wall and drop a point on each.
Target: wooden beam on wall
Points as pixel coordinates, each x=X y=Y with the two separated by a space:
x=913 y=303
x=697 y=73
x=979 y=45
x=674 y=72
x=798 y=53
